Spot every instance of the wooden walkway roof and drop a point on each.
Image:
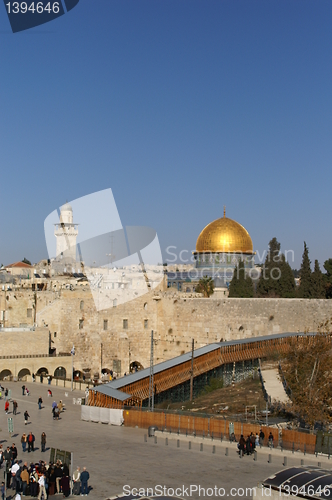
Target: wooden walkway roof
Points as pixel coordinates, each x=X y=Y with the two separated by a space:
x=168 y=374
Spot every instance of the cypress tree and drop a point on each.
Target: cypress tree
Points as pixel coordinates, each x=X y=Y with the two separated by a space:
x=286 y=281
x=317 y=283
x=305 y=288
x=268 y=282
x=328 y=278
x=276 y=279
x=241 y=285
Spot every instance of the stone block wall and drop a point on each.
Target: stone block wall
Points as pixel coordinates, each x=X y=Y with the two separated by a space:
x=122 y=333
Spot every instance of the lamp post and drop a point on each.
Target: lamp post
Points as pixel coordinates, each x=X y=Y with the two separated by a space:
x=72 y=352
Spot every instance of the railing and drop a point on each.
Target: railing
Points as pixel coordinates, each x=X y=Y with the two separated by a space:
x=266 y=396
x=288 y=390
x=16 y=356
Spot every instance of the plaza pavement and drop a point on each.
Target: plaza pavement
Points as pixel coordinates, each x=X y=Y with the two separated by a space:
x=118 y=456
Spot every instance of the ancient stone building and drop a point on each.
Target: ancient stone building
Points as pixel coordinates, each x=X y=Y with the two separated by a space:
x=119 y=337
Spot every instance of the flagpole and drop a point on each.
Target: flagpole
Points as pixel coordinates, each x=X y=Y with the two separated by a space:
x=72 y=352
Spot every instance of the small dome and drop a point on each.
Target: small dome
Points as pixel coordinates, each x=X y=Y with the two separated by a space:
x=66 y=208
x=224 y=235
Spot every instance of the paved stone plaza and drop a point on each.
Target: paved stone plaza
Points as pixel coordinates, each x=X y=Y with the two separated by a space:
x=118 y=456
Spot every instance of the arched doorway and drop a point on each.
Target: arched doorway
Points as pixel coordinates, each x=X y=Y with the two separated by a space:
x=42 y=371
x=6 y=375
x=105 y=374
x=78 y=375
x=136 y=366
x=60 y=372
x=22 y=374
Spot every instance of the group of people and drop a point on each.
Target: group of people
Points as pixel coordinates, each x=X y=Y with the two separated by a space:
x=42 y=479
x=38 y=479
x=247 y=446
x=57 y=408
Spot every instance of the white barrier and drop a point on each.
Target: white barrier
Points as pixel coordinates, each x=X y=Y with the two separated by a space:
x=104 y=415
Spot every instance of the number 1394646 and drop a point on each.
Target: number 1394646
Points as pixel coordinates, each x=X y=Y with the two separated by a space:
x=32 y=7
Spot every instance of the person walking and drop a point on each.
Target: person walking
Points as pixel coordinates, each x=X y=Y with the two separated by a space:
x=6 y=407
x=26 y=417
x=271 y=440
x=85 y=476
x=40 y=402
x=261 y=438
x=15 y=406
x=23 y=390
x=24 y=440
x=6 y=393
x=43 y=441
x=31 y=442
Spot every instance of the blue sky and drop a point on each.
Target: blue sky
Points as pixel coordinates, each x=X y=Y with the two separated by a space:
x=179 y=106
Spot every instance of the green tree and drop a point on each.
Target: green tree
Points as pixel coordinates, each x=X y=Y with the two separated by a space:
x=205 y=286
x=276 y=279
x=26 y=261
x=318 y=283
x=286 y=280
x=241 y=284
x=305 y=288
x=328 y=278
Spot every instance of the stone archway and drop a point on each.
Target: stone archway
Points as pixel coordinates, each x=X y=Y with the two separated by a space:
x=22 y=374
x=6 y=375
x=78 y=375
x=42 y=371
x=136 y=366
x=60 y=372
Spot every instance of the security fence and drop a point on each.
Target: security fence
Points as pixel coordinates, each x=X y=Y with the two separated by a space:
x=219 y=429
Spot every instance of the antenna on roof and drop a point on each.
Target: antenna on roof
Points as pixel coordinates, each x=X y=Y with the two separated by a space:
x=224 y=210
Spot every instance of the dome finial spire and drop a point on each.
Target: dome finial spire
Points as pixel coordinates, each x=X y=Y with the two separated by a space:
x=224 y=210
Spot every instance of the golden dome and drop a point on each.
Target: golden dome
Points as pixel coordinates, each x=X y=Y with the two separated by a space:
x=224 y=235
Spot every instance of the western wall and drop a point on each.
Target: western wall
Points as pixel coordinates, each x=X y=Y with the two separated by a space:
x=117 y=337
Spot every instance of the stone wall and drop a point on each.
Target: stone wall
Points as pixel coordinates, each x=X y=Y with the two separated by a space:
x=15 y=342
x=72 y=319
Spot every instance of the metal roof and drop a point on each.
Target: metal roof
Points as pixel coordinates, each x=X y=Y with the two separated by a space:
x=111 y=392
x=165 y=365
x=314 y=481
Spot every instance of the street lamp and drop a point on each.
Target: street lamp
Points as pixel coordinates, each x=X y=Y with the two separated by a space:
x=72 y=352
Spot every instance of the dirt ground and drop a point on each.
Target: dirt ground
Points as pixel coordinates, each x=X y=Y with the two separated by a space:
x=227 y=401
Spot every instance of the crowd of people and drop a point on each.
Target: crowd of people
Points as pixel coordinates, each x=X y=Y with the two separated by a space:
x=248 y=445
x=39 y=479
x=43 y=479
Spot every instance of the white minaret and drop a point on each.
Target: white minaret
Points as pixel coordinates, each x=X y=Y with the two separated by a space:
x=66 y=233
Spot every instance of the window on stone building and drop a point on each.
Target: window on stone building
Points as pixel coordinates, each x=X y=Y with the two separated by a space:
x=146 y=323
x=80 y=324
x=29 y=313
x=125 y=324
x=105 y=324
x=54 y=334
x=115 y=303
x=82 y=304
